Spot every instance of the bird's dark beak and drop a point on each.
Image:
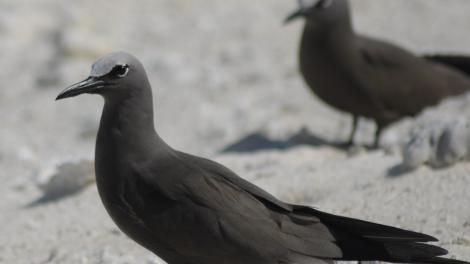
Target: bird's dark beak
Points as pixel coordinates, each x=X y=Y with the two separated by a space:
x=89 y=85
x=301 y=12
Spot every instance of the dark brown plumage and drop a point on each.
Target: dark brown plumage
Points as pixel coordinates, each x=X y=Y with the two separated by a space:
x=368 y=77
x=190 y=210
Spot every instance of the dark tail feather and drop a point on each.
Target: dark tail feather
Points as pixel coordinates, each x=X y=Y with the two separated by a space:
x=365 y=229
x=366 y=241
x=412 y=252
x=438 y=260
x=459 y=62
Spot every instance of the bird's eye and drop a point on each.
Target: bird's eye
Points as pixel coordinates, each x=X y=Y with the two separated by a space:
x=324 y=4
x=120 y=70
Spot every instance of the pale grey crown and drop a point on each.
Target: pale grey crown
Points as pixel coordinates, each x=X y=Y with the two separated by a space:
x=307 y=4
x=110 y=62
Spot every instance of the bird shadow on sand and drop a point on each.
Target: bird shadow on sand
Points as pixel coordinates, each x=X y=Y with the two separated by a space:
x=258 y=142
x=50 y=198
x=401 y=169
x=398 y=171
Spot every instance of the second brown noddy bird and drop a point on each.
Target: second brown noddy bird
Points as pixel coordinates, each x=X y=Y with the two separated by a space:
x=368 y=77
x=191 y=210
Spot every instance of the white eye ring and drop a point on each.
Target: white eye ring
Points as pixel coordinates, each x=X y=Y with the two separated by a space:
x=126 y=70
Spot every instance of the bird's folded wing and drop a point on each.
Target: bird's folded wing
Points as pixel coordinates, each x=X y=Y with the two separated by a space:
x=304 y=236
x=222 y=173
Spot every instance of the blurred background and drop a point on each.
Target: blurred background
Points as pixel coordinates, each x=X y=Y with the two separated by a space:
x=225 y=77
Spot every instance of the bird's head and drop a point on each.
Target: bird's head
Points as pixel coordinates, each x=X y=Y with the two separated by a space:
x=321 y=12
x=115 y=74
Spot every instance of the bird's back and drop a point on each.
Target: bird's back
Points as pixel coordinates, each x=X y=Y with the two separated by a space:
x=402 y=82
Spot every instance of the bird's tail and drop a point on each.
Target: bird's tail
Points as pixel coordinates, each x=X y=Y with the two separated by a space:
x=366 y=241
x=417 y=253
x=438 y=260
x=458 y=62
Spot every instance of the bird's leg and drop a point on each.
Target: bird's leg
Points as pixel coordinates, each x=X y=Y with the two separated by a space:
x=378 y=132
x=353 y=130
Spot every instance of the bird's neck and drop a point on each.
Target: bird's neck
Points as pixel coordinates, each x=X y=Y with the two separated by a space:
x=326 y=57
x=321 y=48
x=334 y=36
x=127 y=129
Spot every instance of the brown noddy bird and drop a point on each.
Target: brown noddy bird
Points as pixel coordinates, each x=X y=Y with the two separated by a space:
x=191 y=210
x=368 y=77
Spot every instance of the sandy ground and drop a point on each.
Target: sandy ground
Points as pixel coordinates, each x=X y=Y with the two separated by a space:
x=222 y=72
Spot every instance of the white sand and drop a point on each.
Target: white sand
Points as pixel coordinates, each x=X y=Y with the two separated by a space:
x=223 y=70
